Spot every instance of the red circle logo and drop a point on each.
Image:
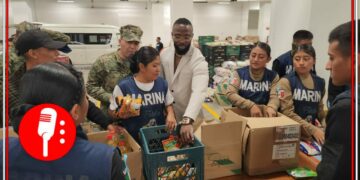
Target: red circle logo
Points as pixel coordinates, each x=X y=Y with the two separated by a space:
x=47 y=132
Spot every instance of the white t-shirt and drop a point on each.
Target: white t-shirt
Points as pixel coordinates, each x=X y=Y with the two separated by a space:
x=169 y=99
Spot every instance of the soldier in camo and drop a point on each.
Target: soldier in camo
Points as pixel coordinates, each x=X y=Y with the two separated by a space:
x=16 y=61
x=109 y=68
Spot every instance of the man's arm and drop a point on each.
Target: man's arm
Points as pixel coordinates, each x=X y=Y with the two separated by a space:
x=199 y=86
x=95 y=80
x=274 y=99
x=97 y=116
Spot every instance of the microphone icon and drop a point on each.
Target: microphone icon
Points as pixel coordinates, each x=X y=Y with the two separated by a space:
x=46 y=127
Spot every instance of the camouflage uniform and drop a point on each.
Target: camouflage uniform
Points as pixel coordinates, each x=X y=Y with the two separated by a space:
x=14 y=86
x=109 y=68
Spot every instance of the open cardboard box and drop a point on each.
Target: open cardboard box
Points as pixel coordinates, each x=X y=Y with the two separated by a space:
x=261 y=145
x=269 y=144
x=134 y=160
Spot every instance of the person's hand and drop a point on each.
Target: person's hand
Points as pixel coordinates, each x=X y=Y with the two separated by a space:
x=270 y=112
x=115 y=129
x=170 y=123
x=255 y=111
x=319 y=136
x=123 y=112
x=187 y=133
x=317 y=123
x=123 y=115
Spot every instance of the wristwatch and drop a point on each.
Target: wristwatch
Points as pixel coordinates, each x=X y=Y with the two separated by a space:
x=186 y=121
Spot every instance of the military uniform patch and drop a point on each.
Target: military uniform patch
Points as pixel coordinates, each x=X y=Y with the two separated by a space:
x=280 y=92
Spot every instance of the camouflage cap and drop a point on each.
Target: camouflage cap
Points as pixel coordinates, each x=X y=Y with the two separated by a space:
x=57 y=36
x=131 y=33
x=25 y=26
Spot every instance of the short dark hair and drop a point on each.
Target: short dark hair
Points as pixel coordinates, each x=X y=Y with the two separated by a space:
x=183 y=21
x=144 y=55
x=158 y=38
x=342 y=34
x=302 y=34
x=264 y=47
x=308 y=49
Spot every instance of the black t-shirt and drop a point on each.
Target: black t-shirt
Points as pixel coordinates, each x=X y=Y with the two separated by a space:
x=159 y=46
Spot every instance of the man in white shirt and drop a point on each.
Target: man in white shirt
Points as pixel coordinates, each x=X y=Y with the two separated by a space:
x=185 y=69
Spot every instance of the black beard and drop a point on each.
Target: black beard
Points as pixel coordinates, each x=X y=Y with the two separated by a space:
x=181 y=51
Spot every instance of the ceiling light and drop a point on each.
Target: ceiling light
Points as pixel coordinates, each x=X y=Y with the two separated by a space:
x=65 y=1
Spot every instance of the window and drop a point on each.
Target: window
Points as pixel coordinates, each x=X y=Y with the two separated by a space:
x=90 y=38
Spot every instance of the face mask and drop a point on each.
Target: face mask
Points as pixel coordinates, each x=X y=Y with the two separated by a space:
x=181 y=51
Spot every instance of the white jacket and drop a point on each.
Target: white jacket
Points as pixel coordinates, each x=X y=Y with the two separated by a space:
x=189 y=83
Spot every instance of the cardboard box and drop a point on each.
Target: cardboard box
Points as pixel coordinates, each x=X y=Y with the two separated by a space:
x=134 y=160
x=269 y=144
x=223 y=146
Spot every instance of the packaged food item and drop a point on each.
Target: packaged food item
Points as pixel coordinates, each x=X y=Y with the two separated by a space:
x=125 y=105
x=126 y=169
x=170 y=144
x=308 y=149
x=117 y=140
x=135 y=106
x=301 y=172
x=316 y=145
x=191 y=172
x=113 y=140
x=184 y=171
x=122 y=144
x=128 y=105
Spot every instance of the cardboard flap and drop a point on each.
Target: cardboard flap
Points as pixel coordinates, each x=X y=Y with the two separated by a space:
x=254 y=123
x=100 y=137
x=132 y=143
x=245 y=140
x=223 y=133
x=238 y=111
x=229 y=115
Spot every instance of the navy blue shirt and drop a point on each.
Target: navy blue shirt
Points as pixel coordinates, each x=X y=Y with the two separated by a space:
x=306 y=101
x=153 y=105
x=85 y=160
x=256 y=91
